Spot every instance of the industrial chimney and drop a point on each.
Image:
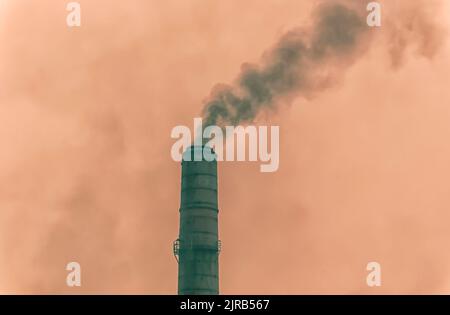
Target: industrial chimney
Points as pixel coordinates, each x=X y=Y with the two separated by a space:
x=197 y=248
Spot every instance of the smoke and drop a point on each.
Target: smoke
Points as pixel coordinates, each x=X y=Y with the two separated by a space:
x=306 y=61
x=417 y=29
x=303 y=61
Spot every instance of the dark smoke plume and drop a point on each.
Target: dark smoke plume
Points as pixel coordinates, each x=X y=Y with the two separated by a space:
x=302 y=62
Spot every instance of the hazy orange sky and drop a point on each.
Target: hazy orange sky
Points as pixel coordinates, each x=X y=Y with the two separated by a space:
x=86 y=173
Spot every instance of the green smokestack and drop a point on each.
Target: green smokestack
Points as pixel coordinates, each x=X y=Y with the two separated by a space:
x=197 y=248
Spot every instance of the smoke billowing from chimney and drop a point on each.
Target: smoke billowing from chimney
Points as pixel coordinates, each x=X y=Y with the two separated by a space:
x=81 y=180
x=301 y=62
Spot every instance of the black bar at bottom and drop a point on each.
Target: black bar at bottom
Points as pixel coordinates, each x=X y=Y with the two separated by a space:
x=279 y=304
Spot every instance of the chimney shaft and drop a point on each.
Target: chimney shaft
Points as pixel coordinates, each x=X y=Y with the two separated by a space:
x=197 y=247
